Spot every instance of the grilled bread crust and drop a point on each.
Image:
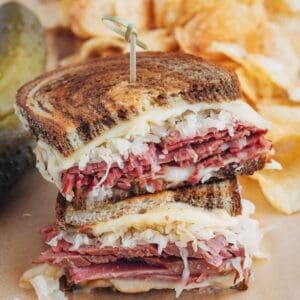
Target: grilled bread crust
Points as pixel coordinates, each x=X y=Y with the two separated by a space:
x=85 y=100
x=222 y=194
x=247 y=168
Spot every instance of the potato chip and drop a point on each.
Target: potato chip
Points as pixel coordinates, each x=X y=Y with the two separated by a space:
x=294 y=93
x=258 y=81
x=280 y=62
x=247 y=87
x=137 y=12
x=190 y=8
x=157 y=40
x=286 y=48
x=167 y=13
x=85 y=15
x=285 y=121
x=100 y=46
x=231 y=50
x=283 y=6
x=282 y=188
x=226 y=21
x=182 y=40
x=274 y=77
x=292 y=28
x=267 y=52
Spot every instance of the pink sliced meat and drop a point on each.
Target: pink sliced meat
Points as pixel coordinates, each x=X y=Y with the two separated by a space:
x=160 y=267
x=72 y=259
x=69 y=180
x=114 y=270
x=176 y=266
x=137 y=251
x=209 y=150
x=173 y=264
x=91 y=262
x=211 y=253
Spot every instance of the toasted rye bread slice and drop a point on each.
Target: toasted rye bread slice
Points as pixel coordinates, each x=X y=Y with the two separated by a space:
x=247 y=168
x=70 y=106
x=223 y=194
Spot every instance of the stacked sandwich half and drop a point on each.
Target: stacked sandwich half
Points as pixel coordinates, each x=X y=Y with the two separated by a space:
x=146 y=172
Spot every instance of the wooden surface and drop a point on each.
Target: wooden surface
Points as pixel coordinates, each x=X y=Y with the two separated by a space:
x=31 y=206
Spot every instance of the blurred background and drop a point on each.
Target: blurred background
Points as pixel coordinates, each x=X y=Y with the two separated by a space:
x=258 y=39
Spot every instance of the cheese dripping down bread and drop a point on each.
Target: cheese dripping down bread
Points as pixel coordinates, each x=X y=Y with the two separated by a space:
x=101 y=138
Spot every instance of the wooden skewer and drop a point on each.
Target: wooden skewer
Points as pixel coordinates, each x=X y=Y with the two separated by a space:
x=130 y=35
x=132 y=58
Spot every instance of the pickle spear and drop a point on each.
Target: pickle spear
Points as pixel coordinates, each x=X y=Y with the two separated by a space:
x=22 y=51
x=22 y=57
x=15 y=152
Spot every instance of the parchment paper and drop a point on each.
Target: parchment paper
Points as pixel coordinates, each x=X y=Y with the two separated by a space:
x=31 y=206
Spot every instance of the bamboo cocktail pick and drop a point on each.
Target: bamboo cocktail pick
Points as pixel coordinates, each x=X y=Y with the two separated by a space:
x=130 y=35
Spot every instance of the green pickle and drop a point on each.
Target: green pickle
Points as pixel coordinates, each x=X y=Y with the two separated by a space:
x=15 y=153
x=22 y=57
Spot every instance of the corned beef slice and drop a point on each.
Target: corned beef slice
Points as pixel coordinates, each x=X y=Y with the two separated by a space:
x=92 y=262
x=209 y=150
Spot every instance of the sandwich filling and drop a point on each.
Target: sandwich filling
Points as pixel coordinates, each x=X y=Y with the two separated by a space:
x=187 y=148
x=180 y=253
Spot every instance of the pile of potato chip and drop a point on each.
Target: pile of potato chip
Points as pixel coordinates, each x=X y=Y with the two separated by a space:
x=259 y=39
